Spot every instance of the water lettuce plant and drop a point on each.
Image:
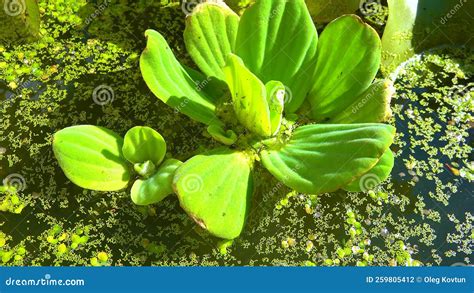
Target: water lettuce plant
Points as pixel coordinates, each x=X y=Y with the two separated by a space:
x=271 y=92
x=97 y=158
x=279 y=75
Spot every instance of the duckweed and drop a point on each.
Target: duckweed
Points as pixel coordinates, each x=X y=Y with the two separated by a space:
x=425 y=203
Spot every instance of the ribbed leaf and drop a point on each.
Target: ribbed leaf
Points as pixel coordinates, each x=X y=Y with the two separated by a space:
x=371 y=106
x=143 y=144
x=249 y=97
x=91 y=157
x=375 y=176
x=157 y=187
x=323 y=158
x=215 y=189
x=349 y=53
x=210 y=34
x=171 y=83
x=277 y=40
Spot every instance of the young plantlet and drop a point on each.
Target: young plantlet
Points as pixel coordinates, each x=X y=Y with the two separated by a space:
x=274 y=66
x=97 y=158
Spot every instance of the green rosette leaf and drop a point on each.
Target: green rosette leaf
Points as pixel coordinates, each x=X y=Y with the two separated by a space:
x=325 y=157
x=91 y=157
x=215 y=190
x=171 y=83
x=277 y=40
x=349 y=53
x=143 y=144
x=375 y=176
x=372 y=106
x=210 y=34
x=249 y=97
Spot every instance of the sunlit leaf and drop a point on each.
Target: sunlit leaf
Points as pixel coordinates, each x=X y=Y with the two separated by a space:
x=249 y=97
x=277 y=40
x=215 y=189
x=371 y=106
x=143 y=144
x=91 y=157
x=157 y=187
x=171 y=83
x=349 y=53
x=375 y=176
x=325 y=157
x=210 y=34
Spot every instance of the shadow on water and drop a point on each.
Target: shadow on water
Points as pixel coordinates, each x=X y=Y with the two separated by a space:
x=125 y=22
x=443 y=22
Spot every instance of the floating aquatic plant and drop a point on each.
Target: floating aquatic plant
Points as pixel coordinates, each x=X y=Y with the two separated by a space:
x=270 y=92
x=119 y=226
x=279 y=76
x=97 y=158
